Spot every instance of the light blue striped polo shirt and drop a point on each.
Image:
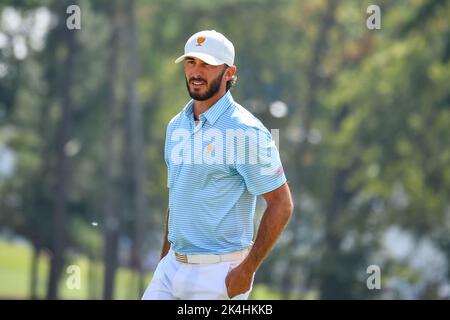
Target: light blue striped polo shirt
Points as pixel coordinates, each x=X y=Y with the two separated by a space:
x=215 y=171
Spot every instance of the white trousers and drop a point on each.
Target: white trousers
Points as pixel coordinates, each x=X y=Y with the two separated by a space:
x=177 y=280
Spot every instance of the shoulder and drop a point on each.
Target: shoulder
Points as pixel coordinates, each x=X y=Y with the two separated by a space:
x=175 y=121
x=240 y=117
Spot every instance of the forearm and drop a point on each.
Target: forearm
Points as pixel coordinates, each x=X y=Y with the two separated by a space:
x=272 y=224
x=166 y=244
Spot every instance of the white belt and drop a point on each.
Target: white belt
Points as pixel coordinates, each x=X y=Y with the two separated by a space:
x=211 y=258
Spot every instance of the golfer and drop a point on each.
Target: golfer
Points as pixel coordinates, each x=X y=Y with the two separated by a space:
x=219 y=158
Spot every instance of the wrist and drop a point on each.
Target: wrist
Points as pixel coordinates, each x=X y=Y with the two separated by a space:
x=248 y=266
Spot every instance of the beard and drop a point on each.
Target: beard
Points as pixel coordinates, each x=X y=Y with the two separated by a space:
x=211 y=89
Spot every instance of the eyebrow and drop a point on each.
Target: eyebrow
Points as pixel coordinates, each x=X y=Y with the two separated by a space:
x=200 y=61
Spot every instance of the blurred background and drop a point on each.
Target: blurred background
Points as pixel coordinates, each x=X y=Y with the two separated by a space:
x=364 y=119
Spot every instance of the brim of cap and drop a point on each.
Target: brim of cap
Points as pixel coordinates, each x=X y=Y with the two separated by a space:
x=202 y=56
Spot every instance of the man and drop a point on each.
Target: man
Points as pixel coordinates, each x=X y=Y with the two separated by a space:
x=208 y=251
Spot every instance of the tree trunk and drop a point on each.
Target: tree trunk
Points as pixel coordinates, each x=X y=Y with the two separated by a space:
x=134 y=118
x=111 y=215
x=60 y=193
x=314 y=82
x=34 y=272
x=313 y=72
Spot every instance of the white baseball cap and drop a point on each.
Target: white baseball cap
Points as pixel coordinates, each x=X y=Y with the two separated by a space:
x=210 y=46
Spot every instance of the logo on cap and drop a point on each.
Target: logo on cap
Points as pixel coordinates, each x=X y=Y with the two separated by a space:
x=200 y=40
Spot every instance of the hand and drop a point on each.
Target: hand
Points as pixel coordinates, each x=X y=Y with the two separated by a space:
x=238 y=281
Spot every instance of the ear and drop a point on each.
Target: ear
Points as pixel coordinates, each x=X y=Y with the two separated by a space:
x=230 y=73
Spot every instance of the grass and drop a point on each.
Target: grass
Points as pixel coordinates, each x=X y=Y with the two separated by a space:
x=15 y=265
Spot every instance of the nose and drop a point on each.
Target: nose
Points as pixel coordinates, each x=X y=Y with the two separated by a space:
x=197 y=72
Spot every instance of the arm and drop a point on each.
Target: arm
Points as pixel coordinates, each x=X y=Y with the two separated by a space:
x=166 y=244
x=275 y=218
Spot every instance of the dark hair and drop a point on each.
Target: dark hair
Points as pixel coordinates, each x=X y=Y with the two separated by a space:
x=230 y=83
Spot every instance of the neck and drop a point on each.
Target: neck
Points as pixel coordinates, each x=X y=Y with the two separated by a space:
x=202 y=106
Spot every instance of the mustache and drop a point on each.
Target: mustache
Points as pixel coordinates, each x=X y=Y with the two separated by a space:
x=197 y=79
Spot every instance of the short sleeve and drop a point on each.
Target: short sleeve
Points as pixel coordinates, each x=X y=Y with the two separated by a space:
x=262 y=169
x=166 y=154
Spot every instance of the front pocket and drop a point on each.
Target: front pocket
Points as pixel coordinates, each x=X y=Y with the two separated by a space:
x=225 y=289
x=231 y=266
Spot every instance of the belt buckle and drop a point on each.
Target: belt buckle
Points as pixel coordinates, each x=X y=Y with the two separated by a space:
x=181 y=258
